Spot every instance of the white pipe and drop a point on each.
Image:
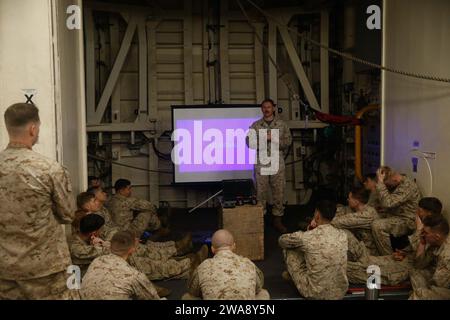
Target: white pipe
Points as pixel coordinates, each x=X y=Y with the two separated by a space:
x=212 y=197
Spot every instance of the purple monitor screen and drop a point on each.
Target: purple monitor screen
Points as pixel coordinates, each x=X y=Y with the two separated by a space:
x=226 y=141
x=209 y=142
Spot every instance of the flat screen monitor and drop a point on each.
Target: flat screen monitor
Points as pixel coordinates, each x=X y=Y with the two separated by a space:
x=210 y=142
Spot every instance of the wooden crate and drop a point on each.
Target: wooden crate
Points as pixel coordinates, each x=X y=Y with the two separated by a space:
x=246 y=223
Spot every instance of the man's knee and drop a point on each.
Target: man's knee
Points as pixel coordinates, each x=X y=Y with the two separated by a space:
x=379 y=225
x=188 y=296
x=263 y=295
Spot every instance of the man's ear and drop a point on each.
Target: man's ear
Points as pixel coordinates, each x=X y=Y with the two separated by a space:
x=31 y=130
x=316 y=215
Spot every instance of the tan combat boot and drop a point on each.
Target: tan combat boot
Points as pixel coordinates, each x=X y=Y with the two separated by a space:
x=203 y=253
x=286 y=276
x=184 y=246
x=161 y=232
x=162 y=292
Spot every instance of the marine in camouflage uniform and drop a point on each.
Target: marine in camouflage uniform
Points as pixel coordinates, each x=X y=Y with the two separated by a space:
x=401 y=205
x=123 y=209
x=36 y=198
x=110 y=227
x=430 y=278
x=359 y=223
x=83 y=253
x=227 y=276
x=374 y=200
x=272 y=183
x=156 y=264
x=110 y=277
x=154 y=250
x=317 y=261
x=393 y=272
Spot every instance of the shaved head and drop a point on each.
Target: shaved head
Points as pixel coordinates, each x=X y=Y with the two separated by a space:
x=221 y=239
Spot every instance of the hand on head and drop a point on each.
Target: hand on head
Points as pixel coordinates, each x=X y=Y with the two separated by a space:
x=312 y=225
x=399 y=255
x=381 y=175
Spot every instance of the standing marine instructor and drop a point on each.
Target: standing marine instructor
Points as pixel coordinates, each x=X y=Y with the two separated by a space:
x=36 y=199
x=274 y=182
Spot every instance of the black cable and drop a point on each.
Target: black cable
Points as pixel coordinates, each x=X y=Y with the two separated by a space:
x=162 y=156
x=126 y=165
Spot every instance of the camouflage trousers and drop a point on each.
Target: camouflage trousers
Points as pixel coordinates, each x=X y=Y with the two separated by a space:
x=366 y=237
x=423 y=289
x=296 y=266
x=162 y=269
x=157 y=250
x=276 y=185
x=145 y=220
x=262 y=295
x=383 y=228
x=52 y=287
x=392 y=272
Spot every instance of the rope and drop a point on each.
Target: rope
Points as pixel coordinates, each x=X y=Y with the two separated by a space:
x=343 y=54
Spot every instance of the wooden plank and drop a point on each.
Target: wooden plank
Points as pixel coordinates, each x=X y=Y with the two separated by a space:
x=105 y=64
x=115 y=72
x=224 y=59
x=259 y=63
x=244 y=219
x=126 y=9
x=246 y=223
x=297 y=65
x=115 y=98
x=143 y=70
x=273 y=73
x=90 y=65
x=250 y=245
x=206 y=70
x=120 y=127
x=153 y=160
x=324 y=62
x=188 y=59
x=295 y=104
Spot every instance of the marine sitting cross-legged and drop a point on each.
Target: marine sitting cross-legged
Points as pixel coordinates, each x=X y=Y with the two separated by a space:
x=399 y=195
x=358 y=218
x=227 y=276
x=428 y=206
x=316 y=260
x=86 y=245
x=155 y=250
x=430 y=278
x=110 y=277
x=131 y=213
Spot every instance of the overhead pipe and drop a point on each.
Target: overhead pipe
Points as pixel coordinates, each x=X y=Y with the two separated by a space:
x=358 y=140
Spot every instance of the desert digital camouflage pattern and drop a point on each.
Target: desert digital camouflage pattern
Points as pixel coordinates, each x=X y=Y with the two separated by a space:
x=227 y=276
x=317 y=261
x=273 y=183
x=110 y=277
